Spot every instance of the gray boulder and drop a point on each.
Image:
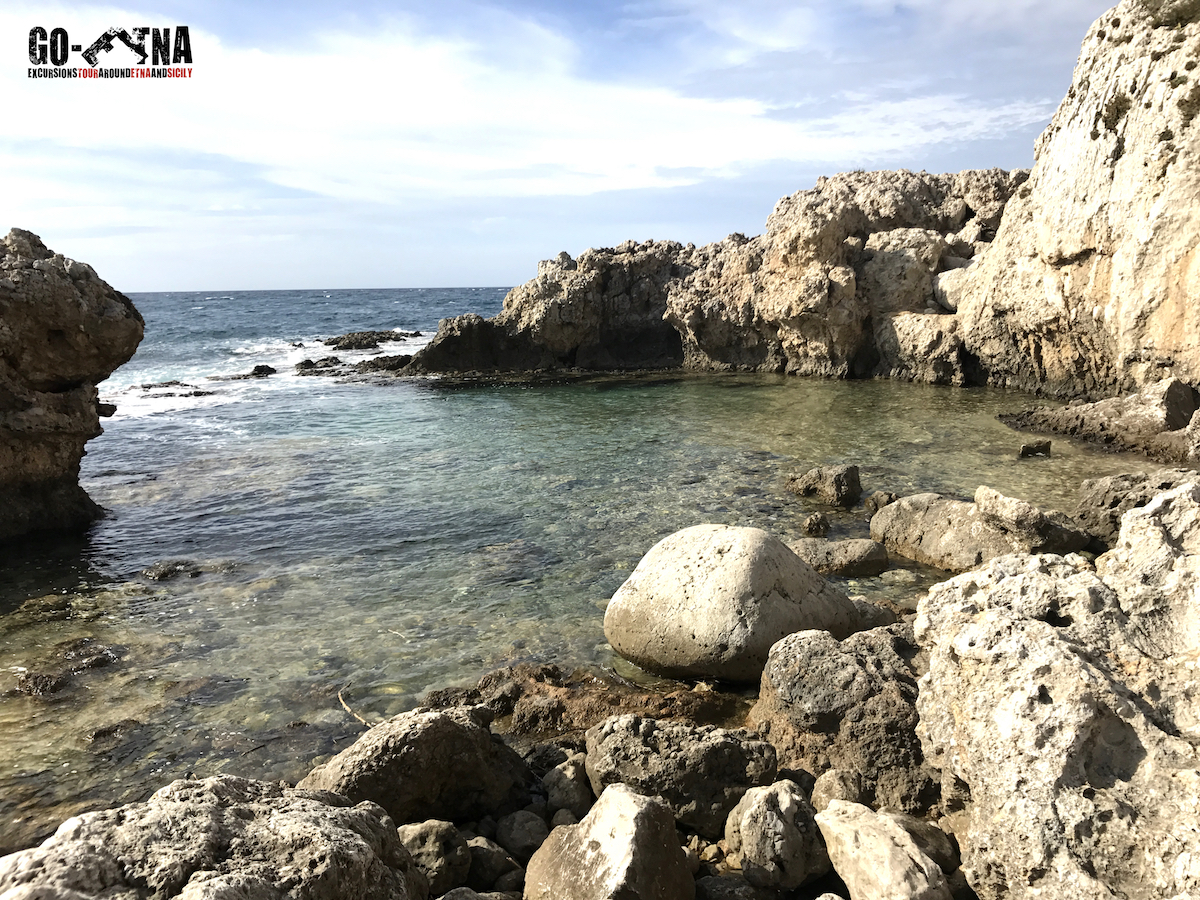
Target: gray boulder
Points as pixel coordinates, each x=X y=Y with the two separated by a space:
x=1103 y=501
x=222 y=838
x=521 y=833
x=625 y=847
x=773 y=834
x=854 y=558
x=709 y=601
x=699 y=772
x=849 y=705
x=489 y=863
x=439 y=851
x=444 y=764
x=567 y=786
x=1062 y=699
x=877 y=858
x=835 y=485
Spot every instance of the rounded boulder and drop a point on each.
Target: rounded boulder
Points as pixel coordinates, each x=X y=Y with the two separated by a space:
x=709 y=601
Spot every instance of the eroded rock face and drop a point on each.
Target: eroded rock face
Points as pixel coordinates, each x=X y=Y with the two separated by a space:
x=222 y=838
x=1103 y=501
x=62 y=330
x=1091 y=283
x=1064 y=699
x=851 y=706
x=425 y=763
x=602 y=311
x=710 y=600
x=818 y=292
x=699 y=772
x=625 y=847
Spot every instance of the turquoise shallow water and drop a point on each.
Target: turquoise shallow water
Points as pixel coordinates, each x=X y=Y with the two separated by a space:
x=379 y=540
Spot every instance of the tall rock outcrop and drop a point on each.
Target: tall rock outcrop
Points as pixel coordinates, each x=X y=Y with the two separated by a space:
x=842 y=282
x=602 y=311
x=1093 y=282
x=62 y=330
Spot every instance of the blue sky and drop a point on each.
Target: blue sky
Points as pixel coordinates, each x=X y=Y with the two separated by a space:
x=389 y=144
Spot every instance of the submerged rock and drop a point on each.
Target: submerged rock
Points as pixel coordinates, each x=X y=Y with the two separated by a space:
x=835 y=485
x=1061 y=706
x=709 y=601
x=699 y=772
x=422 y=764
x=62 y=331
x=221 y=838
x=625 y=847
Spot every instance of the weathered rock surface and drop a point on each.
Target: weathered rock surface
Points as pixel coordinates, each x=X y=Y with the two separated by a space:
x=835 y=485
x=439 y=851
x=849 y=705
x=709 y=601
x=489 y=863
x=1091 y=283
x=62 y=331
x=421 y=764
x=957 y=535
x=1152 y=421
x=855 y=558
x=601 y=311
x=625 y=847
x=521 y=833
x=1064 y=699
x=567 y=786
x=1103 y=501
x=699 y=772
x=222 y=838
x=877 y=858
x=821 y=291
x=773 y=834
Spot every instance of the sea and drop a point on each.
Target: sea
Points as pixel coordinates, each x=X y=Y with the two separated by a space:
x=282 y=557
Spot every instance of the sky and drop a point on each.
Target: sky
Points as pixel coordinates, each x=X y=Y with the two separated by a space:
x=403 y=144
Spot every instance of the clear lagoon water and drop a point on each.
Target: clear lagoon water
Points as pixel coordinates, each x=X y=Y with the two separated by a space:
x=366 y=541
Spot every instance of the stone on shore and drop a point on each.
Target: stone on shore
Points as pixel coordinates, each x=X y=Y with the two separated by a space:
x=1061 y=705
x=221 y=838
x=709 y=601
x=773 y=834
x=855 y=558
x=700 y=773
x=625 y=847
x=422 y=764
x=851 y=706
x=62 y=331
x=877 y=858
x=439 y=851
x=567 y=786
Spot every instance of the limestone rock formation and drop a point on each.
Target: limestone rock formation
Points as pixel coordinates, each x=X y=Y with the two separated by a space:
x=1061 y=706
x=851 y=706
x=625 y=847
x=443 y=764
x=1091 y=284
x=773 y=835
x=220 y=839
x=699 y=772
x=602 y=311
x=1103 y=501
x=439 y=851
x=62 y=330
x=957 y=535
x=710 y=600
x=820 y=292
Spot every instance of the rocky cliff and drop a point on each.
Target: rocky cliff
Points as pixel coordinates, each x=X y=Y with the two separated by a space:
x=1091 y=285
x=62 y=330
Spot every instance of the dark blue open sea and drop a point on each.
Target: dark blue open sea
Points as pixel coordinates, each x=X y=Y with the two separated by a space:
x=380 y=539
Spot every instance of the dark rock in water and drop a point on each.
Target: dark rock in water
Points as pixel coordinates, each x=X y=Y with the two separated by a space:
x=165 y=571
x=367 y=340
x=602 y=312
x=222 y=837
x=384 y=363
x=1039 y=448
x=816 y=525
x=261 y=371
x=849 y=559
x=850 y=705
x=64 y=331
x=878 y=500
x=1102 y=501
x=699 y=772
x=835 y=485
x=426 y=763
x=326 y=365
x=1153 y=421
x=42 y=684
